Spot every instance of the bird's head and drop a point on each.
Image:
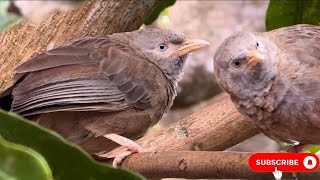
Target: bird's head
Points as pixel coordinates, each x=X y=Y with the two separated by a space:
x=165 y=48
x=245 y=64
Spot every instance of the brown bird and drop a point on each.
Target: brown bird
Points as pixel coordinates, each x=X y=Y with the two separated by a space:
x=96 y=87
x=274 y=78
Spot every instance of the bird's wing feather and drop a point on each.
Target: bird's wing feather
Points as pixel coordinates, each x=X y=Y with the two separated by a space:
x=77 y=52
x=302 y=100
x=121 y=73
x=301 y=41
x=86 y=75
x=300 y=65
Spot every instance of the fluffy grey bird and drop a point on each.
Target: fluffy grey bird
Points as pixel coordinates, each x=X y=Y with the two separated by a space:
x=274 y=78
x=96 y=87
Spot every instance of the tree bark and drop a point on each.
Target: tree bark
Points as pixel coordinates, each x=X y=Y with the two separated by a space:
x=188 y=164
x=94 y=18
x=216 y=127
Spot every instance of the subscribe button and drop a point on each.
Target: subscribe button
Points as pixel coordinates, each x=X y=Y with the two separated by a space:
x=286 y=162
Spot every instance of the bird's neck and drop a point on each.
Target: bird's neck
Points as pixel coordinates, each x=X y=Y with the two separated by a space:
x=173 y=77
x=171 y=89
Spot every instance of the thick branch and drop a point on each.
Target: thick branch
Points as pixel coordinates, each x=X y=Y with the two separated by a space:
x=216 y=127
x=196 y=164
x=94 y=18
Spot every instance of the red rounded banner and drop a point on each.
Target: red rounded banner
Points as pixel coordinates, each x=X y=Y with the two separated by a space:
x=286 y=162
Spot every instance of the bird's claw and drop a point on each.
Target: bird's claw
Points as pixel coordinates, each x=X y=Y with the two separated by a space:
x=129 y=144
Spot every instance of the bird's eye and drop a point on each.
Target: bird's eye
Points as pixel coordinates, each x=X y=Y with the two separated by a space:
x=236 y=63
x=163 y=47
x=257 y=44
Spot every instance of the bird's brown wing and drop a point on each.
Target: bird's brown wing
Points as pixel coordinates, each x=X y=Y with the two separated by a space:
x=81 y=51
x=301 y=41
x=300 y=65
x=91 y=74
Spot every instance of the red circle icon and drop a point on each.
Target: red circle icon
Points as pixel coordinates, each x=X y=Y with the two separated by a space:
x=286 y=162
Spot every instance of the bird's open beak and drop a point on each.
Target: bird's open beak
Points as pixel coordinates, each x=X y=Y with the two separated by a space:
x=254 y=57
x=192 y=45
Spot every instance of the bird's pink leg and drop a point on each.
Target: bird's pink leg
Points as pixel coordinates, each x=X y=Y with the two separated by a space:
x=129 y=144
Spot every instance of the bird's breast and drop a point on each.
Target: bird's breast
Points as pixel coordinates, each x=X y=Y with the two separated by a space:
x=162 y=98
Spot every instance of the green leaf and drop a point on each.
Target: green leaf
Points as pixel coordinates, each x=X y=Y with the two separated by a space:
x=314 y=149
x=157 y=11
x=20 y=162
x=283 y=13
x=67 y=161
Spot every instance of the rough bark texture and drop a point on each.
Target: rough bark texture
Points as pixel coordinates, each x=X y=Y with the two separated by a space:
x=95 y=18
x=186 y=164
x=216 y=127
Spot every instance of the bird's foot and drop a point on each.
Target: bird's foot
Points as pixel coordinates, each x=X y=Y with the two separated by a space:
x=120 y=157
x=129 y=144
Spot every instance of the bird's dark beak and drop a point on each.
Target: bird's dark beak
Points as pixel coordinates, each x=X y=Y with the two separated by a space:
x=254 y=58
x=192 y=45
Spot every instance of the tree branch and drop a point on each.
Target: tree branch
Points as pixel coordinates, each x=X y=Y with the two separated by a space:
x=216 y=127
x=94 y=18
x=196 y=164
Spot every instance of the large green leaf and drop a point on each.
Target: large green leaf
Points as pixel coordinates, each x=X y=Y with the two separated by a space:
x=20 y=162
x=66 y=161
x=157 y=11
x=314 y=149
x=283 y=13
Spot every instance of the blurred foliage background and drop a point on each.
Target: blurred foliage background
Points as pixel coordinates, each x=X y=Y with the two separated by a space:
x=289 y=12
x=5 y=18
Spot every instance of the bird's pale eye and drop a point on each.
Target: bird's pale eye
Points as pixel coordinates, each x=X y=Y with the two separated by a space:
x=162 y=47
x=236 y=63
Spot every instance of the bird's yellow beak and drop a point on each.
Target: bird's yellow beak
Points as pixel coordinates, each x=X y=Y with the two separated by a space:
x=192 y=45
x=254 y=58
